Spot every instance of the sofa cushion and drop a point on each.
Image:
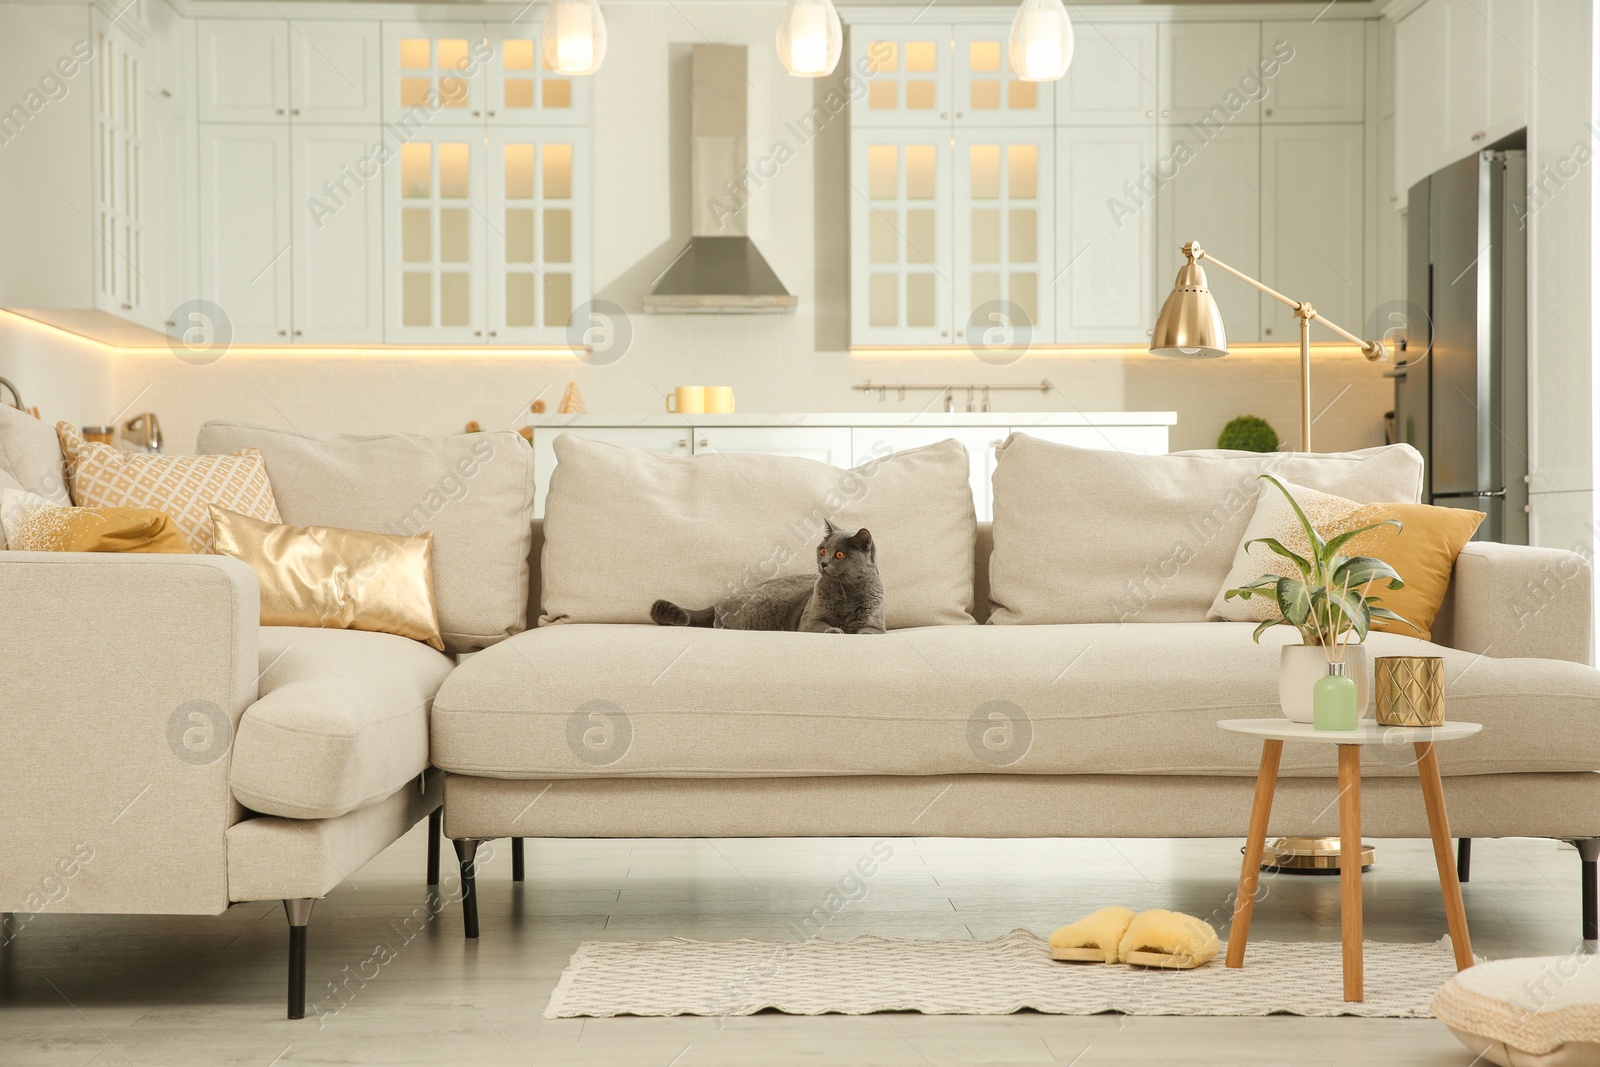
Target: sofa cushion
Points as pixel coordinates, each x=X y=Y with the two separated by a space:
x=1084 y=535
x=573 y=701
x=31 y=453
x=342 y=721
x=624 y=527
x=473 y=492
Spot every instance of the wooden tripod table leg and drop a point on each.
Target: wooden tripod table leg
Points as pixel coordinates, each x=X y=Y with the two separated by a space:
x=1455 y=911
x=1244 y=901
x=1350 y=868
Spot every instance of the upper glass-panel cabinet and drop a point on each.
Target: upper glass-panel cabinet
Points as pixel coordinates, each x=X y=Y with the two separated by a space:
x=538 y=245
x=900 y=216
x=523 y=89
x=1004 y=203
x=907 y=74
x=436 y=236
x=986 y=93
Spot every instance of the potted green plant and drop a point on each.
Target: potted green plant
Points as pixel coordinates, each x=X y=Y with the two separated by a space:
x=1328 y=603
x=1249 y=433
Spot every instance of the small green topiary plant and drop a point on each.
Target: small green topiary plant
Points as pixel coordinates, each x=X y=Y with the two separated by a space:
x=1249 y=433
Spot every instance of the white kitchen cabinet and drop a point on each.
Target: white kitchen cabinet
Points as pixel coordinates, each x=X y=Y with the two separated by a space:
x=1215 y=198
x=1204 y=67
x=901 y=218
x=334 y=71
x=173 y=265
x=1463 y=81
x=538 y=245
x=122 y=270
x=825 y=444
x=520 y=87
x=245 y=233
x=337 y=272
x=1321 y=73
x=1114 y=77
x=1311 y=226
x=908 y=74
x=1105 y=278
x=435 y=230
x=985 y=92
x=1004 y=251
x=435 y=71
x=244 y=70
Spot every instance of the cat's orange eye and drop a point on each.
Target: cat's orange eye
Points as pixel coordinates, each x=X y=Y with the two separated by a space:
x=838 y=555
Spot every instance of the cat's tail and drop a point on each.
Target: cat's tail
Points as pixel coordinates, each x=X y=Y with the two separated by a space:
x=666 y=613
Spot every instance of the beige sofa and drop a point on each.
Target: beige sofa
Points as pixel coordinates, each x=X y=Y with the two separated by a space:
x=166 y=754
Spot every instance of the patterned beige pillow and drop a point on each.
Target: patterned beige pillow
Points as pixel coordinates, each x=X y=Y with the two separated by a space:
x=182 y=486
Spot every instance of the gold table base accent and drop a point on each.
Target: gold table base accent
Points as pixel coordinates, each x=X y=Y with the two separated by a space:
x=1309 y=855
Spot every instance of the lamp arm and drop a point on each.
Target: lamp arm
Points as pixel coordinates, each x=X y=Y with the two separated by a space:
x=1373 y=350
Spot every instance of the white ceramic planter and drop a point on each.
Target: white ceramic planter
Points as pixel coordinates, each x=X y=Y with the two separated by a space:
x=1299 y=667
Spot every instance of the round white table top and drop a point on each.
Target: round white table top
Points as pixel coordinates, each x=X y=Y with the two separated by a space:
x=1368 y=732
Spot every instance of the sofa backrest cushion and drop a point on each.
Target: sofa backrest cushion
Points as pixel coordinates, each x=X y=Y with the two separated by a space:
x=1084 y=535
x=473 y=492
x=623 y=528
x=31 y=454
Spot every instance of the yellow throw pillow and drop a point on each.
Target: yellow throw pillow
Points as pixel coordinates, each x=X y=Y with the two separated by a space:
x=34 y=524
x=182 y=486
x=1423 y=552
x=343 y=579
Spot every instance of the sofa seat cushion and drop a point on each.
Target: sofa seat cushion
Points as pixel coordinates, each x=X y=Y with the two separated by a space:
x=342 y=721
x=584 y=700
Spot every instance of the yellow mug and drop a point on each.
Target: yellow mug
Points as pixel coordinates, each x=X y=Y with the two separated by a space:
x=687 y=400
x=719 y=399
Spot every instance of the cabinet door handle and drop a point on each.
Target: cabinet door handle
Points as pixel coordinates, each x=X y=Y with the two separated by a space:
x=683 y=442
x=167 y=93
x=280 y=111
x=477 y=333
x=944 y=333
x=1149 y=114
x=961 y=333
x=491 y=114
x=944 y=114
x=1166 y=114
x=961 y=114
x=299 y=333
x=1478 y=136
x=127 y=307
x=296 y=111
x=493 y=334
x=169 y=322
x=477 y=114
x=1267 y=332
x=702 y=443
x=283 y=333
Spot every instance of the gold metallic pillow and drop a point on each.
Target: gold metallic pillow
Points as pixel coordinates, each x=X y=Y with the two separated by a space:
x=34 y=524
x=343 y=579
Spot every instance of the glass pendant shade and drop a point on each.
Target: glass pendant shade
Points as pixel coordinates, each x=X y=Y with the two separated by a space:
x=573 y=37
x=1041 y=41
x=810 y=38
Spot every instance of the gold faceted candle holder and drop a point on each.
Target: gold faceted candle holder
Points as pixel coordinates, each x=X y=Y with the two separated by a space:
x=1410 y=690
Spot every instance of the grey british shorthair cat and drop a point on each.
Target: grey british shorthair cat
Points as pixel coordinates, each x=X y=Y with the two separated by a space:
x=844 y=597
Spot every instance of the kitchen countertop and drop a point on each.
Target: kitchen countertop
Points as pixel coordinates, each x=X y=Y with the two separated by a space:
x=868 y=418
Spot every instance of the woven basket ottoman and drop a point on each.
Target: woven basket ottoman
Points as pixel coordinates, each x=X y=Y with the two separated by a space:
x=1538 y=1012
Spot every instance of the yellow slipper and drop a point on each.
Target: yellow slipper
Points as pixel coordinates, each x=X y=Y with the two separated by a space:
x=1092 y=939
x=1168 y=939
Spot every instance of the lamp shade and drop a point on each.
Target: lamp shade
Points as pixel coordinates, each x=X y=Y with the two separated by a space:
x=573 y=37
x=810 y=38
x=1041 y=41
x=1190 y=324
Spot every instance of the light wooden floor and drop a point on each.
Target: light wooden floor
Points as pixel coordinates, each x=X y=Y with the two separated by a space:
x=209 y=991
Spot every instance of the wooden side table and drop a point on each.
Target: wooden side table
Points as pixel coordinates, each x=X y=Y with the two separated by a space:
x=1274 y=732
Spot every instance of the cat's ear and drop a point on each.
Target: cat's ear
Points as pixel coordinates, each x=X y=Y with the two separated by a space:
x=828 y=528
x=862 y=539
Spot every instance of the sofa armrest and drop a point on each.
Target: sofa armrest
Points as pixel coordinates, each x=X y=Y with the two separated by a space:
x=1511 y=601
x=122 y=678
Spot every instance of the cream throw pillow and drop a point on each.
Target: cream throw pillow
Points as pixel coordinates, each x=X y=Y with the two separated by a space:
x=1084 y=535
x=1422 y=552
x=182 y=486
x=623 y=527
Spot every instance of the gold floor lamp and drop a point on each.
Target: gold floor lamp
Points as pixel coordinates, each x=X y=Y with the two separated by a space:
x=1190 y=327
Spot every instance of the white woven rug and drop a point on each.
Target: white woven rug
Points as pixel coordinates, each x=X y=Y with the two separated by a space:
x=1010 y=973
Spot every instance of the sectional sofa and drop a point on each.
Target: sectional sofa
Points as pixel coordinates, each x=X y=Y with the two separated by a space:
x=167 y=754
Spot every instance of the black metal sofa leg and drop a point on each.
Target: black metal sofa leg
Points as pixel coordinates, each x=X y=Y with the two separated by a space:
x=299 y=912
x=1589 y=851
x=435 y=826
x=1464 y=859
x=516 y=859
x=467 y=853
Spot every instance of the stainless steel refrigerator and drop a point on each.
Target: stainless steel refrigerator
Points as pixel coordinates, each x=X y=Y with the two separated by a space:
x=1461 y=394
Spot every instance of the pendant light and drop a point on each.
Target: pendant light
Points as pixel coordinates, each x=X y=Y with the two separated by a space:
x=1041 y=41
x=810 y=38
x=573 y=37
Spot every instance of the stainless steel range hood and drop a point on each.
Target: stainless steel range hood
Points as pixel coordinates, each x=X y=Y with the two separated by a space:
x=720 y=271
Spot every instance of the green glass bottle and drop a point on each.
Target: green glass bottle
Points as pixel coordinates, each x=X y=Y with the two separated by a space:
x=1333 y=701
